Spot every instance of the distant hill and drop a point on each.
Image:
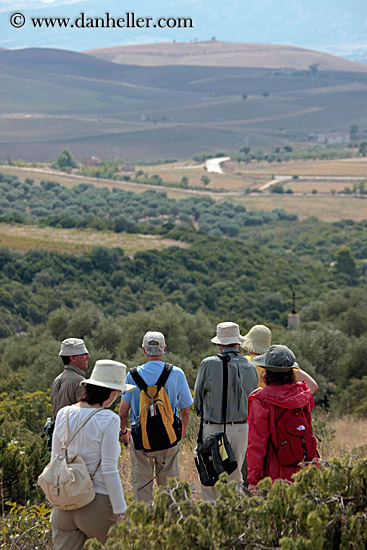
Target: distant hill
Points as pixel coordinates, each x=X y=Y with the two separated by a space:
x=214 y=53
x=334 y=26
x=53 y=99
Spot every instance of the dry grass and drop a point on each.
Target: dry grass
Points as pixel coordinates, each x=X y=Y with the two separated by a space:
x=339 y=167
x=76 y=241
x=326 y=208
x=186 y=464
x=223 y=54
x=349 y=434
x=229 y=181
x=322 y=186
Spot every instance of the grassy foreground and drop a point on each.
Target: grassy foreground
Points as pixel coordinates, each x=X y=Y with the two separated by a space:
x=27 y=527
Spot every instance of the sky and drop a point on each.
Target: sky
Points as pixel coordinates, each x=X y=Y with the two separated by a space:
x=335 y=26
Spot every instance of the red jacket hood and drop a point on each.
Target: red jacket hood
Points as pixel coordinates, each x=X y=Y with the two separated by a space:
x=288 y=396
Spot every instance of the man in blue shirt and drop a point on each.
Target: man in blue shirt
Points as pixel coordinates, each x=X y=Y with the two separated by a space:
x=159 y=465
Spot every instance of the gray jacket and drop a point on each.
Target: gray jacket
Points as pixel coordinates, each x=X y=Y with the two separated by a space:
x=242 y=380
x=66 y=389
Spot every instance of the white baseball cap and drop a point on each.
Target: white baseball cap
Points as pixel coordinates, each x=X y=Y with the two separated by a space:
x=154 y=343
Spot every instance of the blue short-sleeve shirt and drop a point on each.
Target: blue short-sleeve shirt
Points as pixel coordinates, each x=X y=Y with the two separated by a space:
x=177 y=388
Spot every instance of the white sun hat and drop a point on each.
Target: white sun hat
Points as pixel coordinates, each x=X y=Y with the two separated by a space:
x=109 y=374
x=227 y=333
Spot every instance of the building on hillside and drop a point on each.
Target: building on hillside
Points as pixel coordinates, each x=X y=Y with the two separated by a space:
x=293 y=318
x=332 y=138
x=91 y=161
x=127 y=167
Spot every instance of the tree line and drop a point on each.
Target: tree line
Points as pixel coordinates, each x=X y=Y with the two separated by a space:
x=123 y=210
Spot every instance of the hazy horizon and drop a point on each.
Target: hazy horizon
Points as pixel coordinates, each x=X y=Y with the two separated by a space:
x=333 y=26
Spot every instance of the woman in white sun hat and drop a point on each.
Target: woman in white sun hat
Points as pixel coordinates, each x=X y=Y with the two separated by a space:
x=98 y=444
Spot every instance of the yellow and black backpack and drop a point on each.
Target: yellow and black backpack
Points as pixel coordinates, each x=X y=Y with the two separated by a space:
x=159 y=428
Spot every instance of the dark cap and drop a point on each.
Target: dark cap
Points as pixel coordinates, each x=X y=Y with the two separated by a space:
x=277 y=359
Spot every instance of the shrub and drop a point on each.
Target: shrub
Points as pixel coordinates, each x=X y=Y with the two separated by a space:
x=352 y=400
x=27 y=527
x=21 y=465
x=324 y=509
x=277 y=188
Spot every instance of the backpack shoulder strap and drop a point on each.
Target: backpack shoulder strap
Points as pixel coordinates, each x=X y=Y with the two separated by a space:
x=160 y=382
x=138 y=379
x=69 y=438
x=164 y=376
x=225 y=358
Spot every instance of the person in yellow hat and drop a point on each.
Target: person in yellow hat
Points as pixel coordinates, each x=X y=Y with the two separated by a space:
x=255 y=343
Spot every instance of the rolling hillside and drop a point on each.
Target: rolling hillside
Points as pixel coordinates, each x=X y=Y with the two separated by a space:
x=52 y=99
x=214 y=53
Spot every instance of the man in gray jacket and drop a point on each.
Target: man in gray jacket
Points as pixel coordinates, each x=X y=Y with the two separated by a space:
x=66 y=388
x=242 y=380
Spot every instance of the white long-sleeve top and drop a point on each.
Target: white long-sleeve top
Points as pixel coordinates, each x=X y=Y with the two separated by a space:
x=97 y=441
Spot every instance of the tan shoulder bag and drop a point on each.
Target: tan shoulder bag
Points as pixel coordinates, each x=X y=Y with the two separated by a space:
x=68 y=484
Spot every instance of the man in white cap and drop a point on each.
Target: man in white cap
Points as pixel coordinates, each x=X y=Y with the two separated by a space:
x=160 y=464
x=66 y=388
x=208 y=397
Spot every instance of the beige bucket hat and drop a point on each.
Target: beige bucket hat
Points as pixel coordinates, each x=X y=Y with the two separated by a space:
x=227 y=333
x=72 y=346
x=109 y=374
x=257 y=340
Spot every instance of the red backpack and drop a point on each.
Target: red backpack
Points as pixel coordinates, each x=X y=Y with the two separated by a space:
x=295 y=441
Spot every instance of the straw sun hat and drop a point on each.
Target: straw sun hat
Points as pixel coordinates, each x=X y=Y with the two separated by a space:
x=257 y=340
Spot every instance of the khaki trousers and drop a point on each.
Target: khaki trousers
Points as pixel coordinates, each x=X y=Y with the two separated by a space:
x=145 y=466
x=71 y=528
x=237 y=436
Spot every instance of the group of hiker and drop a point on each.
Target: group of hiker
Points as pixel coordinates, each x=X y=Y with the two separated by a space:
x=252 y=392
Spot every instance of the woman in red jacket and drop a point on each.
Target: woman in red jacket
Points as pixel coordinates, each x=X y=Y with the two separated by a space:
x=287 y=389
